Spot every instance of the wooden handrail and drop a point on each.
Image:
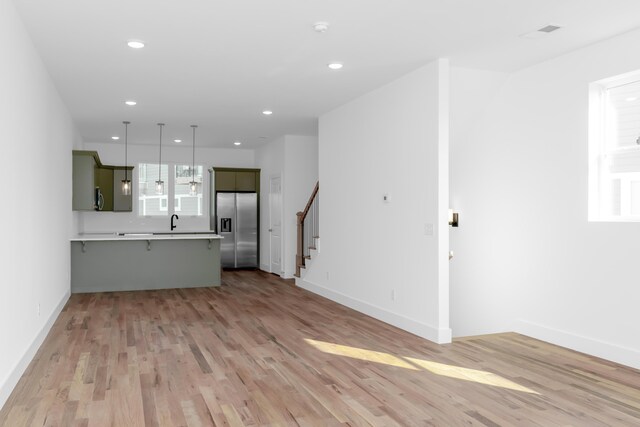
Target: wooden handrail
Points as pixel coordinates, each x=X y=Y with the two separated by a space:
x=310 y=202
x=300 y=216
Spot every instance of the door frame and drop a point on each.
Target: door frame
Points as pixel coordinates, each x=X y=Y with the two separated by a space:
x=280 y=273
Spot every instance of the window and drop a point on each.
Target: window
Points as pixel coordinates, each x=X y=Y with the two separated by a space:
x=149 y=202
x=614 y=149
x=187 y=203
x=177 y=188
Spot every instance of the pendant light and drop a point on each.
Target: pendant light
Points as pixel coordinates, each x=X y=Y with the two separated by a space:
x=193 y=186
x=160 y=182
x=126 y=182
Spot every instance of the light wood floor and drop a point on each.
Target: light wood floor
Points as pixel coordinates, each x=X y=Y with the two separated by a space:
x=258 y=351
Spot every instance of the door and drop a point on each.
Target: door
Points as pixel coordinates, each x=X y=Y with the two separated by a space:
x=226 y=214
x=246 y=230
x=275 y=224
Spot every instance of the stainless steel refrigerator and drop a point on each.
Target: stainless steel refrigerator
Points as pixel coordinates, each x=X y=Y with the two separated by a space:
x=237 y=223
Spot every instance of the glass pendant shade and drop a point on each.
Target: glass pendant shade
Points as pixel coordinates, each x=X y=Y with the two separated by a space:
x=159 y=187
x=126 y=187
x=193 y=185
x=126 y=182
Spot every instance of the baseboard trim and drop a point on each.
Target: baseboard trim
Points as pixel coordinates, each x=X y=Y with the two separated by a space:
x=9 y=384
x=604 y=350
x=440 y=336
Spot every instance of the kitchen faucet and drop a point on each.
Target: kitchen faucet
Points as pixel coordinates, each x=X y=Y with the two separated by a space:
x=173 y=226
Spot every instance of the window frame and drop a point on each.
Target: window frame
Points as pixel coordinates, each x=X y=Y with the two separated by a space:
x=601 y=154
x=170 y=192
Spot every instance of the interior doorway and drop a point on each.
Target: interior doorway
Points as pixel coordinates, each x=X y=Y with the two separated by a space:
x=275 y=224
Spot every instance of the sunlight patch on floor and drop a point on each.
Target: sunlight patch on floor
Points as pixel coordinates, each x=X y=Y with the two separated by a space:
x=362 y=354
x=442 y=369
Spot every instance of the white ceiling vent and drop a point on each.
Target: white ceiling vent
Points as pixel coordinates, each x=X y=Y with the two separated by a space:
x=541 y=32
x=549 y=28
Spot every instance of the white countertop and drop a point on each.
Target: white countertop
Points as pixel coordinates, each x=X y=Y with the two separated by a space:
x=142 y=236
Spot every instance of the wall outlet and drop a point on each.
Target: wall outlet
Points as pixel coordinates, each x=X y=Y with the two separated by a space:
x=393 y=294
x=327 y=276
x=38 y=309
x=386 y=198
x=428 y=229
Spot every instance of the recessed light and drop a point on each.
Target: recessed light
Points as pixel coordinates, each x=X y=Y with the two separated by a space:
x=115 y=138
x=130 y=103
x=237 y=143
x=267 y=112
x=135 y=44
x=321 y=27
x=631 y=99
x=177 y=140
x=335 y=65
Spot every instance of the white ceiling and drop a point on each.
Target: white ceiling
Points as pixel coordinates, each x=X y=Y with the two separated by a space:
x=219 y=63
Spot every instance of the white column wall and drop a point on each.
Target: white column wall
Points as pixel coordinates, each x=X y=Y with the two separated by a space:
x=477 y=307
x=386 y=259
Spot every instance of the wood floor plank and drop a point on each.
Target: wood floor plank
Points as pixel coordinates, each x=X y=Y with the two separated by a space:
x=258 y=351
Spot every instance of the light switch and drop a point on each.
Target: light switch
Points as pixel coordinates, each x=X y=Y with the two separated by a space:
x=386 y=198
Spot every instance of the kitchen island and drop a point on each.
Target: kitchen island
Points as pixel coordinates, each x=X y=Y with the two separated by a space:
x=143 y=261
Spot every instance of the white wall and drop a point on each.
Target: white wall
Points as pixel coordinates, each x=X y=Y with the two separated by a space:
x=524 y=243
x=295 y=159
x=38 y=136
x=270 y=160
x=392 y=140
x=490 y=306
x=113 y=154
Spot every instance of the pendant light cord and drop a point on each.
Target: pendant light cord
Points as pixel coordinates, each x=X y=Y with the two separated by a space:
x=193 y=160
x=126 y=138
x=160 y=158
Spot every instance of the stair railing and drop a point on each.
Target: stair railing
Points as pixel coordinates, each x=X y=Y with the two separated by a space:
x=308 y=229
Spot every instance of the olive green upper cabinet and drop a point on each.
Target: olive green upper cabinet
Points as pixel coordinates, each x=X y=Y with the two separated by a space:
x=89 y=174
x=225 y=181
x=245 y=181
x=84 y=181
x=235 y=179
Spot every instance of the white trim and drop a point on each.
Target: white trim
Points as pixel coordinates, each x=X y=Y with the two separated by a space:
x=440 y=336
x=615 y=353
x=12 y=379
x=287 y=275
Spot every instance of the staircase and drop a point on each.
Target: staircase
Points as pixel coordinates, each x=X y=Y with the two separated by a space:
x=308 y=231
